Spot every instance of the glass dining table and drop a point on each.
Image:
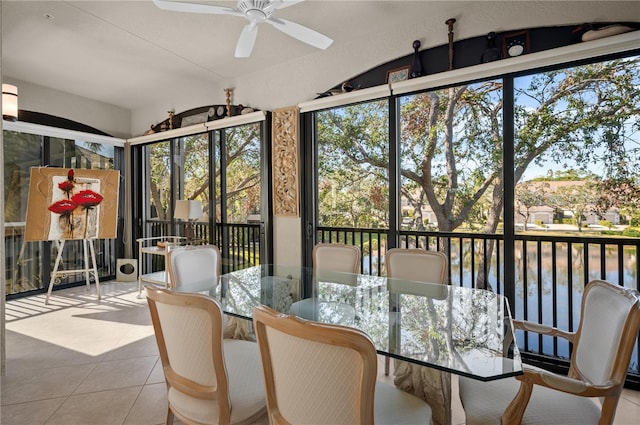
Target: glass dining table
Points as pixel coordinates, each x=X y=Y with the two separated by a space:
x=459 y=330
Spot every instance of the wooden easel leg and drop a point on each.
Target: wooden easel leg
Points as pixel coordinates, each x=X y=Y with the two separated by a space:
x=85 y=253
x=16 y=268
x=54 y=273
x=94 y=268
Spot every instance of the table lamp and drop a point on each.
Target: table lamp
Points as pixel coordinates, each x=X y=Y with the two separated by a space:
x=190 y=211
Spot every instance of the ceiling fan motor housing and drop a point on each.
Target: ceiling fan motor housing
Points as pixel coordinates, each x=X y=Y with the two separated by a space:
x=256 y=10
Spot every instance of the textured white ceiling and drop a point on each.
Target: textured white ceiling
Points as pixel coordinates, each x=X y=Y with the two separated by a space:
x=133 y=55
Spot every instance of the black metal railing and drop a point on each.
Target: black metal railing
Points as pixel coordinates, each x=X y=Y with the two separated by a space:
x=239 y=243
x=28 y=269
x=551 y=273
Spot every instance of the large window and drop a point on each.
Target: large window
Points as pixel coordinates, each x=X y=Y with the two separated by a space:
x=353 y=177
x=242 y=149
x=158 y=187
x=577 y=172
x=29 y=264
x=451 y=158
x=353 y=166
x=529 y=183
x=224 y=170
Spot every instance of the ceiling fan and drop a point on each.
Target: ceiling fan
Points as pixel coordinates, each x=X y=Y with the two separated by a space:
x=255 y=11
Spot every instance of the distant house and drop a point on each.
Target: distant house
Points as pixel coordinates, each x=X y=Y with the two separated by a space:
x=546 y=213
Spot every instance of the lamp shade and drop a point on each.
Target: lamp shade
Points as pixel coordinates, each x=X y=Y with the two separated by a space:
x=188 y=210
x=9 y=102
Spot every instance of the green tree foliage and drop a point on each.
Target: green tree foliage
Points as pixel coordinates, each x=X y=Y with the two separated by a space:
x=578 y=198
x=242 y=173
x=353 y=188
x=159 y=163
x=452 y=140
x=530 y=194
x=450 y=148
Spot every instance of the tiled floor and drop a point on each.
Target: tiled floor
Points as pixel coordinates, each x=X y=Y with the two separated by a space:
x=78 y=361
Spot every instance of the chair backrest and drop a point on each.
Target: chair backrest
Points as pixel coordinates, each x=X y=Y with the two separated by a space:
x=315 y=372
x=195 y=268
x=416 y=264
x=604 y=341
x=188 y=329
x=336 y=257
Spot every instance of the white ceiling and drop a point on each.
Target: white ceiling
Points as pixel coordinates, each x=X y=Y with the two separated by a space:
x=131 y=54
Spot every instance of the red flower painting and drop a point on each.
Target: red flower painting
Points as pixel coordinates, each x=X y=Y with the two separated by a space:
x=83 y=198
x=66 y=186
x=87 y=198
x=64 y=207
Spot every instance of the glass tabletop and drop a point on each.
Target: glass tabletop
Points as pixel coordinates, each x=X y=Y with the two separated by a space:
x=459 y=330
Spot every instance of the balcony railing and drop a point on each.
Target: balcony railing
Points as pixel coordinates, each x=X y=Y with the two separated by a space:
x=25 y=268
x=550 y=274
x=239 y=243
x=550 y=271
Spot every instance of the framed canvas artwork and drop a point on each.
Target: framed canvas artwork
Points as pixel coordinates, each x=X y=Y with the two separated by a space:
x=67 y=203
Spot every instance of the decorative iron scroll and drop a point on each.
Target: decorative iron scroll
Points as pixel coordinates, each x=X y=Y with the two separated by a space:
x=285 y=162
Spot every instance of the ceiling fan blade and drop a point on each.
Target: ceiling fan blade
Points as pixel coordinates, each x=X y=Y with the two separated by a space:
x=176 y=6
x=281 y=4
x=302 y=33
x=247 y=40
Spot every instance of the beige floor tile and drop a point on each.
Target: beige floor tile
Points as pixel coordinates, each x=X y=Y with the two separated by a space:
x=99 y=408
x=628 y=411
x=631 y=396
x=157 y=374
x=144 y=347
x=78 y=361
x=150 y=408
x=42 y=355
x=118 y=374
x=43 y=384
x=31 y=413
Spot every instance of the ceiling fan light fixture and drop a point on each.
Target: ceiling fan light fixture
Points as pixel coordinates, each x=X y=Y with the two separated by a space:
x=256 y=10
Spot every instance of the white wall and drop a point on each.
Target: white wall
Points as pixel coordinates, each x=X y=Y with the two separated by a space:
x=287 y=235
x=104 y=117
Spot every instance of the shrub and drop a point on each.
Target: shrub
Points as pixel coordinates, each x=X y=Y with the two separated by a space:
x=605 y=223
x=633 y=232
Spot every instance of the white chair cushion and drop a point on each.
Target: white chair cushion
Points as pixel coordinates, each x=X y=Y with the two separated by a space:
x=326 y=392
x=394 y=406
x=336 y=257
x=602 y=328
x=246 y=388
x=485 y=402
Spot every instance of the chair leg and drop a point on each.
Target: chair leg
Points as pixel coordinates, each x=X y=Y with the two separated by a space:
x=386 y=365
x=169 y=417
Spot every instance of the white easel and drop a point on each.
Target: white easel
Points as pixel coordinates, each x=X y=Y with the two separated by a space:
x=86 y=270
